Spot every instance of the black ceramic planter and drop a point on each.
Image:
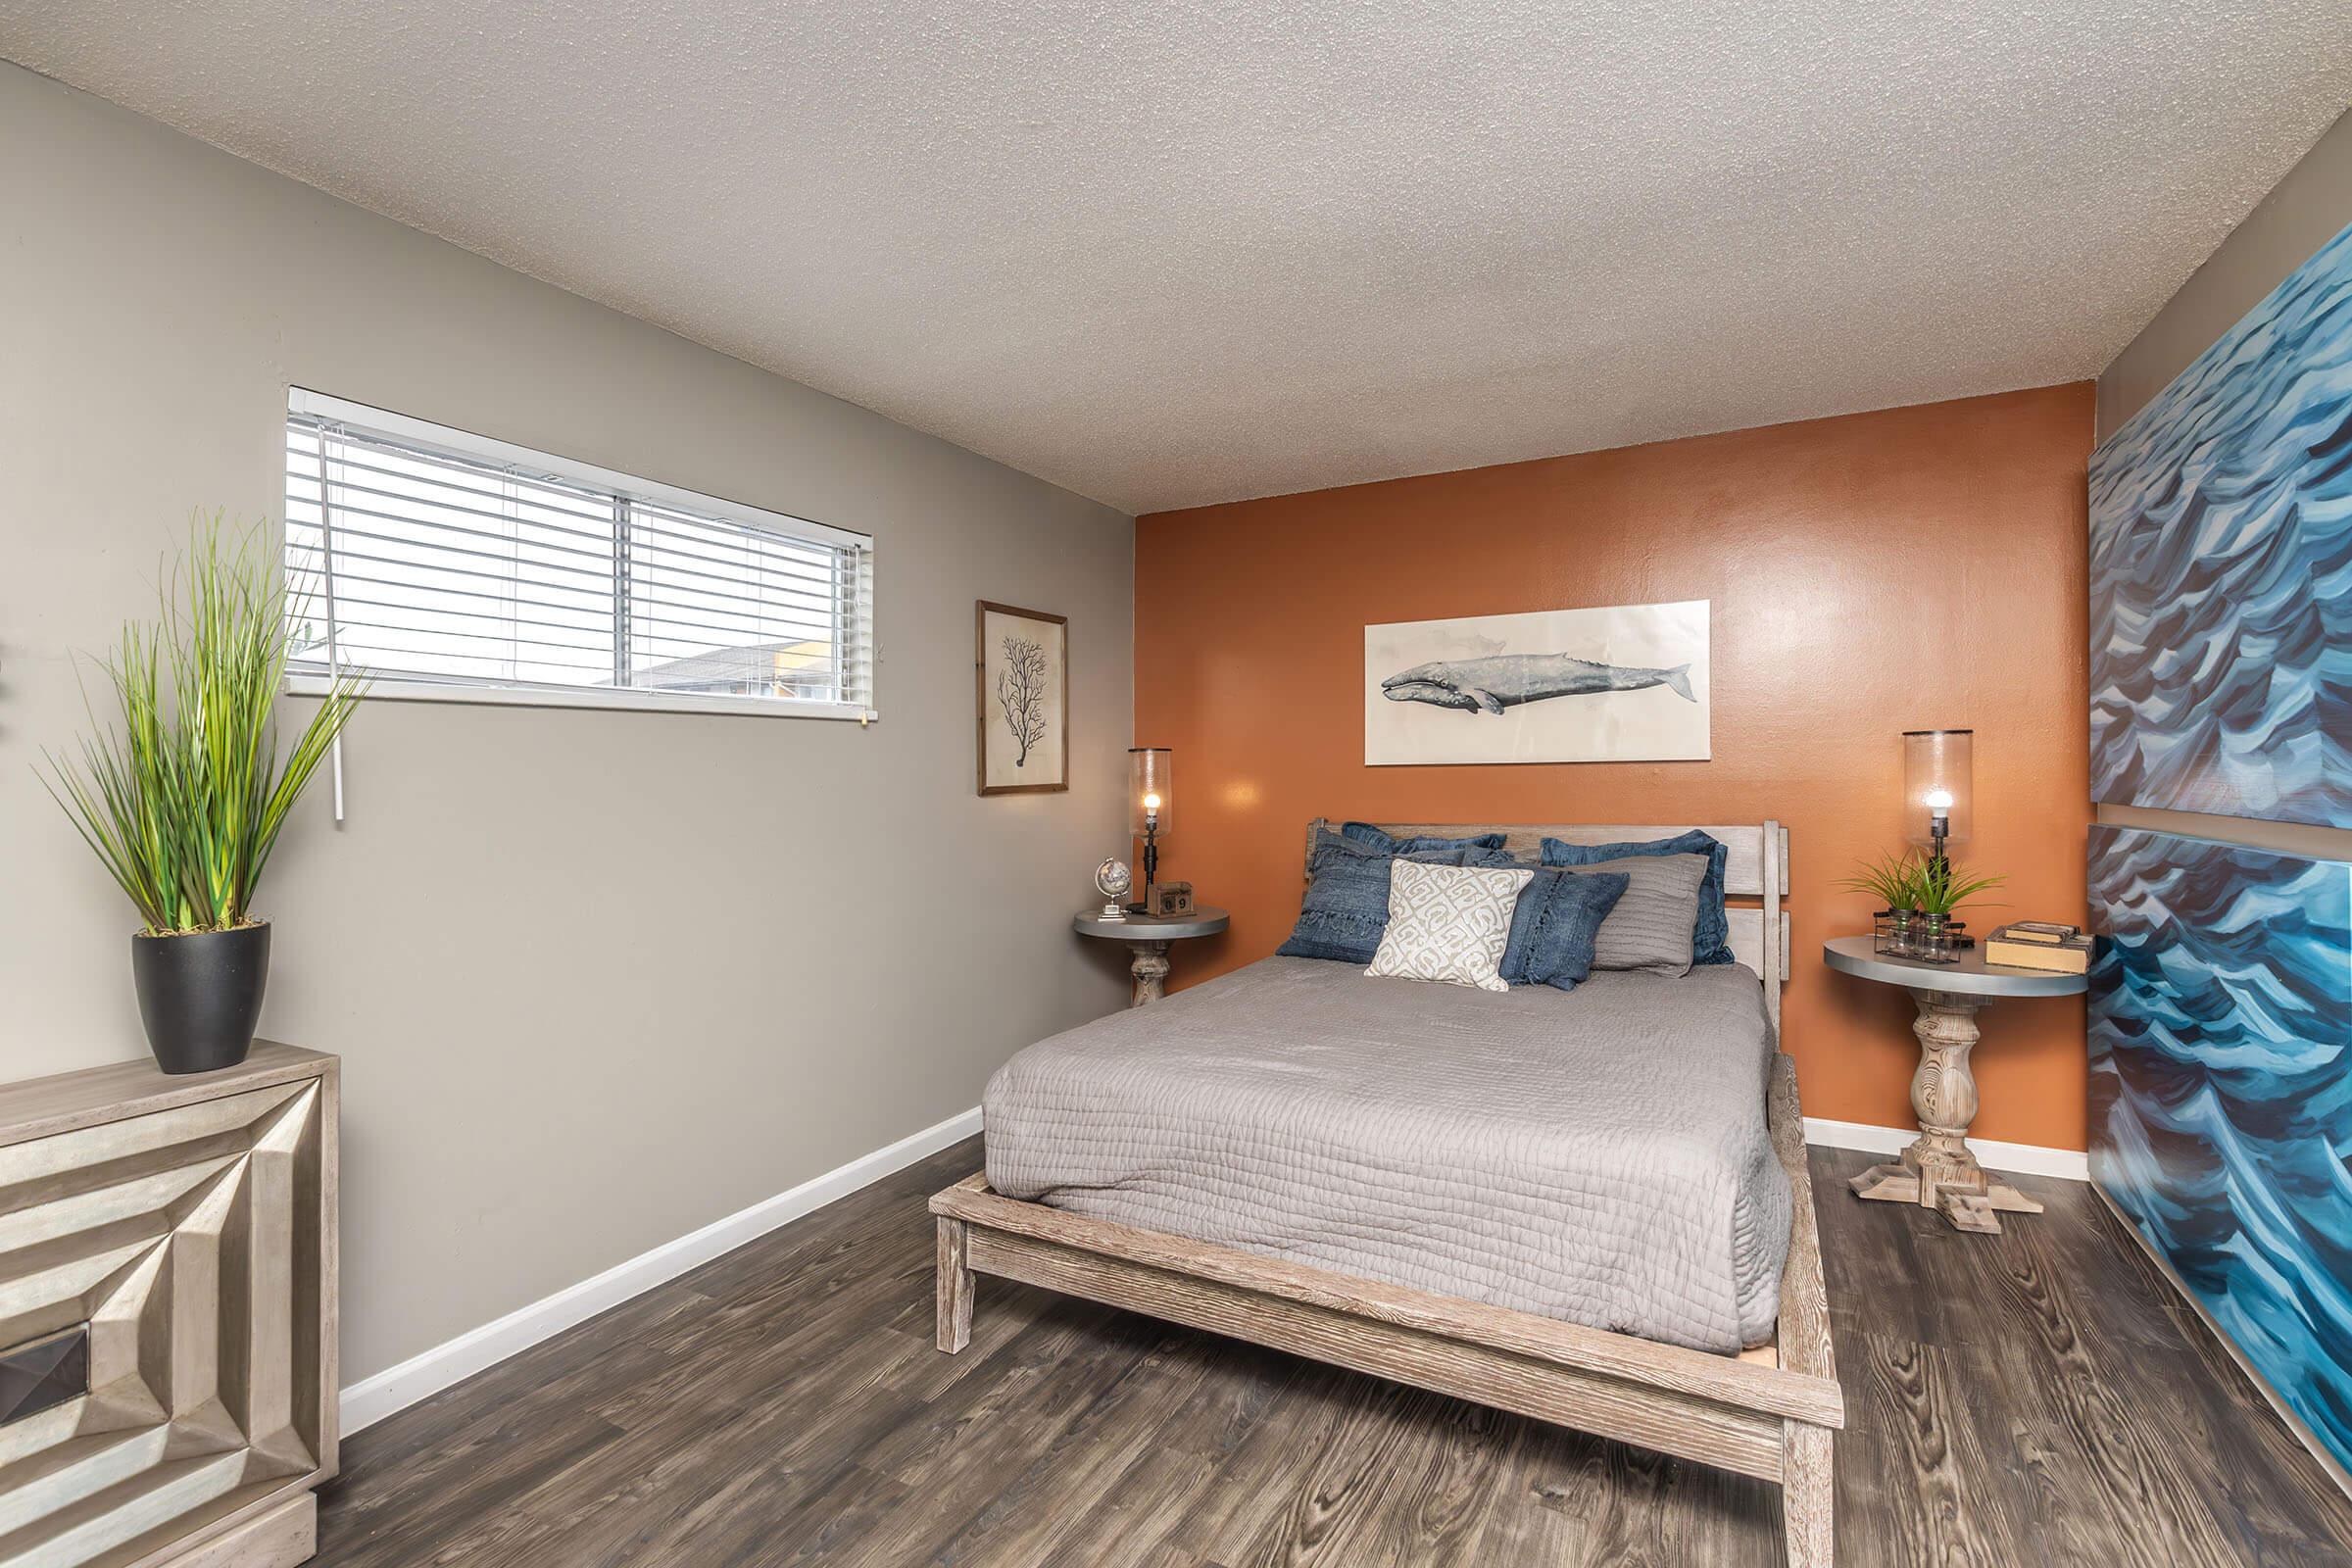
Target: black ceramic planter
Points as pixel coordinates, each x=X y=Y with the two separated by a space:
x=200 y=995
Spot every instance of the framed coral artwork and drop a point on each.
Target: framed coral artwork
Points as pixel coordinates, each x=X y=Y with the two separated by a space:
x=1022 y=676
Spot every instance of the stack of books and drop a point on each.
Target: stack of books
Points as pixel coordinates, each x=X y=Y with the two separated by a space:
x=2038 y=945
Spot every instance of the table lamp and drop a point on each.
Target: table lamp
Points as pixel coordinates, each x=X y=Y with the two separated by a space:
x=1149 y=808
x=1938 y=788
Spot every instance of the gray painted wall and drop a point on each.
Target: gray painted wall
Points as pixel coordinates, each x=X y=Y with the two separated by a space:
x=2305 y=209
x=598 y=978
x=2303 y=212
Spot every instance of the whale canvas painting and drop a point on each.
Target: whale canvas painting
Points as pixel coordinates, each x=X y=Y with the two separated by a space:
x=1622 y=683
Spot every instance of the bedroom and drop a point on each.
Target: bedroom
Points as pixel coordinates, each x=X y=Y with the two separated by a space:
x=820 y=500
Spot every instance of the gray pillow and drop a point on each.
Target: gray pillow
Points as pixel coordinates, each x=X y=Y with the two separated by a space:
x=1650 y=928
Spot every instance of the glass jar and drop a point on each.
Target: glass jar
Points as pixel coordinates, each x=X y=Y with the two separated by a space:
x=1890 y=933
x=1937 y=938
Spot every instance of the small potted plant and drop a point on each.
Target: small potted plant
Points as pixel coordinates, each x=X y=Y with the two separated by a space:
x=1892 y=880
x=1919 y=894
x=1942 y=889
x=182 y=803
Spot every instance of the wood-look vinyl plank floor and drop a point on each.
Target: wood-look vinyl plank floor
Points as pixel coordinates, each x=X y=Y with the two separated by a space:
x=2040 y=1397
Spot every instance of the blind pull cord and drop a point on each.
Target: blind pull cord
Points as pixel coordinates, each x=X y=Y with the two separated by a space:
x=327 y=552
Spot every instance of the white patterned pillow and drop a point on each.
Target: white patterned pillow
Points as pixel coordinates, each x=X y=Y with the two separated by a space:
x=1448 y=923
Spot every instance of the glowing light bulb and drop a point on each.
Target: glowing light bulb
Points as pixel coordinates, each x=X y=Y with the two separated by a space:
x=1939 y=800
x=1151 y=803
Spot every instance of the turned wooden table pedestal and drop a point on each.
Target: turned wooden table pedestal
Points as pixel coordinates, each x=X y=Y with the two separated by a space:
x=1148 y=935
x=1938 y=1170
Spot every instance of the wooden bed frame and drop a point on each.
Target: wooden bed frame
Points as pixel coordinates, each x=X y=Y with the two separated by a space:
x=1767 y=1412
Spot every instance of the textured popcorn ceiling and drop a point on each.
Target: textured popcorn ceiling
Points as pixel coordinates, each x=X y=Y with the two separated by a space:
x=1172 y=253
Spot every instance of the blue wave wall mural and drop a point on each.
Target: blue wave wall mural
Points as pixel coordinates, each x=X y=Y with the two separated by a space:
x=2221 y=1108
x=2221 y=570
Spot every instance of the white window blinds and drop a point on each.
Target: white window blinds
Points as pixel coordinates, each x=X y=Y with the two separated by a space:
x=449 y=564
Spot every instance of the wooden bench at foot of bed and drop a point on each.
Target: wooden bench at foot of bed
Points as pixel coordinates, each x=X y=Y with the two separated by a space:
x=1766 y=1416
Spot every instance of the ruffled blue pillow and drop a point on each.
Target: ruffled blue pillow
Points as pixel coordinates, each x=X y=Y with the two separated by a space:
x=1345 y=911
x=1372 y=838
x=1710 y=938
x=1554 y=926
x=1557 y=917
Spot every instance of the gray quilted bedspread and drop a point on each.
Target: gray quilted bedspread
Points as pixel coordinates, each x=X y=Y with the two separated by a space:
x=1599 y=1156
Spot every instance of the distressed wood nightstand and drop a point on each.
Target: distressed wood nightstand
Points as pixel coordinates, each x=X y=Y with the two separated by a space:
x=1150 y=936
x=1938 y=1170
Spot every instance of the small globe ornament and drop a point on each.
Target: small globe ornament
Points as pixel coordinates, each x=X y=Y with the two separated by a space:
x=1112 y=879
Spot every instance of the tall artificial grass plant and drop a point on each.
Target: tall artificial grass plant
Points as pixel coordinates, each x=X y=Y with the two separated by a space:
x=183 y=793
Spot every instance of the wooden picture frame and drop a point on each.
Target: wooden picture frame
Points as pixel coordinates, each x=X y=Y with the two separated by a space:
x=1036 y=667
x=1770 y=1412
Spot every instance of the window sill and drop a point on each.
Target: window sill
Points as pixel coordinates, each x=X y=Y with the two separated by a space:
x=302 y=685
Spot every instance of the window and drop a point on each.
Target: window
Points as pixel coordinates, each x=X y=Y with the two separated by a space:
x=452 y=565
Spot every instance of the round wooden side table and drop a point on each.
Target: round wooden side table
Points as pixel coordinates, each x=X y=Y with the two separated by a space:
x=1148 y=935
x=1939 y=1171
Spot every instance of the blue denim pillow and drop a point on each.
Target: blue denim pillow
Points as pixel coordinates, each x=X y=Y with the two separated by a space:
x=1372 y=838
x=1554 y=923
x=1710 y=939
x=1559 y=951
x=1345 y=911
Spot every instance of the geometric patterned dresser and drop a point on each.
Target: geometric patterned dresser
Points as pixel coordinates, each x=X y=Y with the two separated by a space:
x=168 y=1379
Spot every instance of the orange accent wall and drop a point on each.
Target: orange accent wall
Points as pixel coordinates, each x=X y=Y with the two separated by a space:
x=1872 y=574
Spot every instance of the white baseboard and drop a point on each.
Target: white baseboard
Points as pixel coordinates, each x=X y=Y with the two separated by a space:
x=370 y=1399
x=2024 y=1159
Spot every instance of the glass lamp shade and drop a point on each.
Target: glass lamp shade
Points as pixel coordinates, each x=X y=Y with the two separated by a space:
x=1151 y=795
x=1939 y=771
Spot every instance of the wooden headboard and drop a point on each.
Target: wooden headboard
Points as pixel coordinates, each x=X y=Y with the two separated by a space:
x=1757 y=868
